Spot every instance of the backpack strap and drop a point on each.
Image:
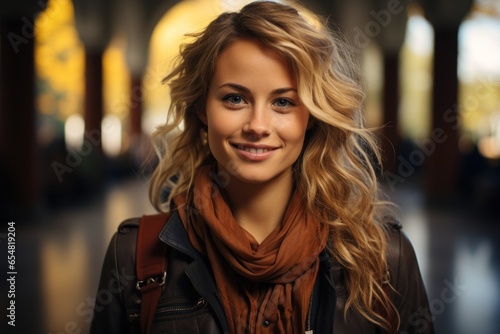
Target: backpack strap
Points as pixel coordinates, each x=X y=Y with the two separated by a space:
x=151 y=264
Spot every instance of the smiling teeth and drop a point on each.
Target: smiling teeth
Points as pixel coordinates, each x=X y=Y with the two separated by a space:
x=253 y=150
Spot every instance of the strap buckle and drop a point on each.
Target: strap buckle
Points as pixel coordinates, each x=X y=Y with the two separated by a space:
x=161 y=280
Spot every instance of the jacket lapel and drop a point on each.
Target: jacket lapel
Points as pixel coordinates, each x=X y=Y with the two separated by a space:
x=174 y=235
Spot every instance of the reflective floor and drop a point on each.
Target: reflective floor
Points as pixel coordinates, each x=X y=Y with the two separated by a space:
x=60 y=254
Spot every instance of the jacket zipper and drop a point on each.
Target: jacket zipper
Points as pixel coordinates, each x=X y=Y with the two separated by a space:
x=199 y=305
x=309 y=312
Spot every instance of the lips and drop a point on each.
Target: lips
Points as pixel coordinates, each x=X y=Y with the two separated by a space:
x=254 y=152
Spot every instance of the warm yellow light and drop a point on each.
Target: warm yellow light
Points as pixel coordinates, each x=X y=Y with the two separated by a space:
x=116 y=80
x=185 y=17
x=59 y=61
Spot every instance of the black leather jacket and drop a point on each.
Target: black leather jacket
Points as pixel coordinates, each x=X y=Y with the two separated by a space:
x=190 y=301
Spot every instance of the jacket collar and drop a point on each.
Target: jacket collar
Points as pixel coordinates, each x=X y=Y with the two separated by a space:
x=174 y=234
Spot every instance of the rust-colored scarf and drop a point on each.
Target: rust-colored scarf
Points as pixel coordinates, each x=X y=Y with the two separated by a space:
x=264 y=288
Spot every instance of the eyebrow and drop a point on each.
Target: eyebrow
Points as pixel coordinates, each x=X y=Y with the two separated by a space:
x=247 y=90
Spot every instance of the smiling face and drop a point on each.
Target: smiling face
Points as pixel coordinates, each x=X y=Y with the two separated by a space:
x=256 y=122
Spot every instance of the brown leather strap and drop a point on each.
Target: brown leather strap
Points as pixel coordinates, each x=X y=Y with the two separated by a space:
x=151 y=266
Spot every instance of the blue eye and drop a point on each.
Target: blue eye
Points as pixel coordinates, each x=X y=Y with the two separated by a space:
x=283 y=103
x=233 y=99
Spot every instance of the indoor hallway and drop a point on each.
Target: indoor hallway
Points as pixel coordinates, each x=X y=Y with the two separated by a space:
x=59 y=259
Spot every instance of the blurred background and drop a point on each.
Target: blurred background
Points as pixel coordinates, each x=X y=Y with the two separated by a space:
x=81 y=92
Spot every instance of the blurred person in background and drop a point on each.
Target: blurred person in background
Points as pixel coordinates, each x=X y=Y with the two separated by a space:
x=274 y=222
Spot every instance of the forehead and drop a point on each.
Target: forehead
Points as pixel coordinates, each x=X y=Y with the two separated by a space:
x=250 y=57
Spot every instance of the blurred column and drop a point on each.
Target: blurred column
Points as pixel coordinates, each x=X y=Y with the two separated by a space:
x=93 y=113
x=93 y=22
x=136 y=107
x=93 y=92
x=440 y=170
x=391 y=20
x=18 y=150
x=19 y=160
x=441 y=167
x=137 y=21
x=390 y=137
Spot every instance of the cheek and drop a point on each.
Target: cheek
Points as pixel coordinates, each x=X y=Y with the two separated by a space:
x=294 y=130
x=218 y=127
x=220 y=130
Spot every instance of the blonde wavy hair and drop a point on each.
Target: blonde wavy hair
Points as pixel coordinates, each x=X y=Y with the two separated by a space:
x=335 y=170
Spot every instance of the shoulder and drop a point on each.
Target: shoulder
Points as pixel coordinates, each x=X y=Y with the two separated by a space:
x=126 y=233
x=394 y=233
x=147 y=228
x=410 y=297
x=398 y=242
x=129 y=225
x=123 y=245
x=400 y=254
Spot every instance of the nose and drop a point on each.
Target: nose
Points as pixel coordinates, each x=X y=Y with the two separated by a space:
x=259 y=122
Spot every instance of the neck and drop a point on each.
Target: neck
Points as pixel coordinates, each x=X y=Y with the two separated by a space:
x=259 y=208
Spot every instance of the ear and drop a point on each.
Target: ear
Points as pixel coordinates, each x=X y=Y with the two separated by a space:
x=202 y=115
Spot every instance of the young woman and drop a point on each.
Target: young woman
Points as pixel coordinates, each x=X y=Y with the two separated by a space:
x=274 y=222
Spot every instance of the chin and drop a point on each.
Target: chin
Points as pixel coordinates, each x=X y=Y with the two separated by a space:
x=252 y=178
x=258 y=177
